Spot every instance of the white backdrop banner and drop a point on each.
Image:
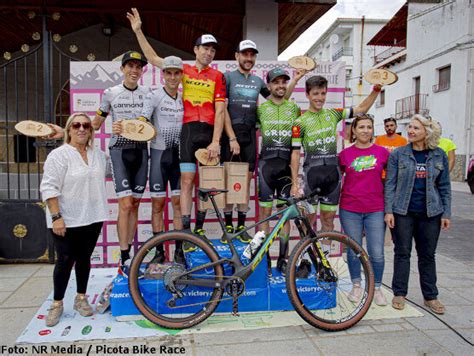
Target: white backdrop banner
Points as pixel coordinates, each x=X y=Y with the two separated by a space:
x=88 y=80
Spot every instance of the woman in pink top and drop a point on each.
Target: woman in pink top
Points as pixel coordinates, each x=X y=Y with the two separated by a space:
x=362 y=204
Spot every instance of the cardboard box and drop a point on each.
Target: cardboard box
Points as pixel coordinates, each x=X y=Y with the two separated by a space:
x=212 y=177
x=236 y=176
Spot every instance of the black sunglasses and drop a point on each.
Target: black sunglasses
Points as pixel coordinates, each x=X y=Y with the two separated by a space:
x=77 y=125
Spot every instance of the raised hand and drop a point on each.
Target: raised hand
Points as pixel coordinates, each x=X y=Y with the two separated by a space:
x=135 y=20
x=300 y=73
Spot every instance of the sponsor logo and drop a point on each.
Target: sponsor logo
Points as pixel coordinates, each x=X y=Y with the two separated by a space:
x=66 y=331
x=135 y=55
x=86 y=330
x=44 y=332
x=364 y=163
x=127 y=105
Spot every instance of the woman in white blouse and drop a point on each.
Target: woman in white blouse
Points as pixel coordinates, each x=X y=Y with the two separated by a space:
x=73 y=188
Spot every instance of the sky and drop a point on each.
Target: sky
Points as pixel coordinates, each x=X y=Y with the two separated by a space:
x=378 y=9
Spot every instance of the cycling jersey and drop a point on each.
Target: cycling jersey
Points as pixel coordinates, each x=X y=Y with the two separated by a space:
x=123 y=104
x=201 y=89
x=276 y=122
x=242 y=94
x=166 y=114
x=316 y=132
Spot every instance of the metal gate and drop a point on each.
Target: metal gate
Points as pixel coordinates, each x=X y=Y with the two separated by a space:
x=34 y=86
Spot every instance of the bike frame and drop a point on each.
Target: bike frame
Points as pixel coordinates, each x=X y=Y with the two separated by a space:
x=241 y=271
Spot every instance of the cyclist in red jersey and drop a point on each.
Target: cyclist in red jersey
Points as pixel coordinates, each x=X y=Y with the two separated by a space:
x=204 y=93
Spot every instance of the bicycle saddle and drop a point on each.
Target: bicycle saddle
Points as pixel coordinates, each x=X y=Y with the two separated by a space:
x=204 y=193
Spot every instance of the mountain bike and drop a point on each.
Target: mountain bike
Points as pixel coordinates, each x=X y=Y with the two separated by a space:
x=181 y=293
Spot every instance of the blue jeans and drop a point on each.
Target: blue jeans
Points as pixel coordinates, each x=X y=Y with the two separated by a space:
x=425 y=231
x=354 y=224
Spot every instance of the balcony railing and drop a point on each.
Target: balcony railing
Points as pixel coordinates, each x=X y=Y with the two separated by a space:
x=343 y=51
x=391 y=51
x=411 y=105
x=441 y=86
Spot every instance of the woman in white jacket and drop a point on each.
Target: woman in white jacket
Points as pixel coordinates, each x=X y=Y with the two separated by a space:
x=73 y=188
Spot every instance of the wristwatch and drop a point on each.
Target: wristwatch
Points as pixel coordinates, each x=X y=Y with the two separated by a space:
x=56 y=216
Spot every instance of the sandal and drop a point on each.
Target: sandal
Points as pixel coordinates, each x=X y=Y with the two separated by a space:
x=435 y=306
x=398 y=302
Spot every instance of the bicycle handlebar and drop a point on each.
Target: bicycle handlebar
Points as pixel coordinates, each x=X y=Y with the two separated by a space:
x=294 y=200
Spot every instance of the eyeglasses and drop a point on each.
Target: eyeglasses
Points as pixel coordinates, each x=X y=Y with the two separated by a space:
x=77 y=125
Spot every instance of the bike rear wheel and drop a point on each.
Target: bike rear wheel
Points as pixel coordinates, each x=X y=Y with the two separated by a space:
x=323 y=303
x=153 y=283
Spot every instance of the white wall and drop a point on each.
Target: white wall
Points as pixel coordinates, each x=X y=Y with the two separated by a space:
x=445 y=106
x=261 y=26
x=437 y=29
x=352 y=30
x=437 y=37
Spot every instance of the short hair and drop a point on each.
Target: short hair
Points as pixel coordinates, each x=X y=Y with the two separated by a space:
x=356 y=120
x=67 y=137
x=316 y=81
x=433 y=130
x=388 y=119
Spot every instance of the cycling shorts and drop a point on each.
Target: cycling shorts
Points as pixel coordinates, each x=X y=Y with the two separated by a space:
x=164 y=168
x=194 y=135
x=274 y=181
x=129 y=171
x=246 y=137
x=328 y=179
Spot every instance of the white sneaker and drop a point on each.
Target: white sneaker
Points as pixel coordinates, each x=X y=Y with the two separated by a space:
x=379 y=297
x=356 y=293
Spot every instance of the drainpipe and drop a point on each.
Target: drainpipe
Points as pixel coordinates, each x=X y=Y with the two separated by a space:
x=469 y=95
x=361 y=61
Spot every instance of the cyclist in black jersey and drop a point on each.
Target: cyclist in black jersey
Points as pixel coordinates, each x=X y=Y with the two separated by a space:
x=239 y=137
x=239 y=140
x=129 y=158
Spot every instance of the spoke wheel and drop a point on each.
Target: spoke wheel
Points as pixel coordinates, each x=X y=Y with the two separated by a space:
x=154 y=280
x=321 y=302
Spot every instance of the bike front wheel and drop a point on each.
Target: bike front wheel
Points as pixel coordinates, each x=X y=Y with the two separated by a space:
x=320 y=294
x=165 y=276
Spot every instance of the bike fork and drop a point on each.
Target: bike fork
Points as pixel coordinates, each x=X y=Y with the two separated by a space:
x=315 y=252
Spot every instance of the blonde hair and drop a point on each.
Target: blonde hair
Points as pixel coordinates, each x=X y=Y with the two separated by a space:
x=433 y=130
x=67 y=137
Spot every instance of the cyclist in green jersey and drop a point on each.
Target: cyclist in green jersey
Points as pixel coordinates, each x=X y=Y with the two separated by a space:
x=316 y=132
x=275 y=118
